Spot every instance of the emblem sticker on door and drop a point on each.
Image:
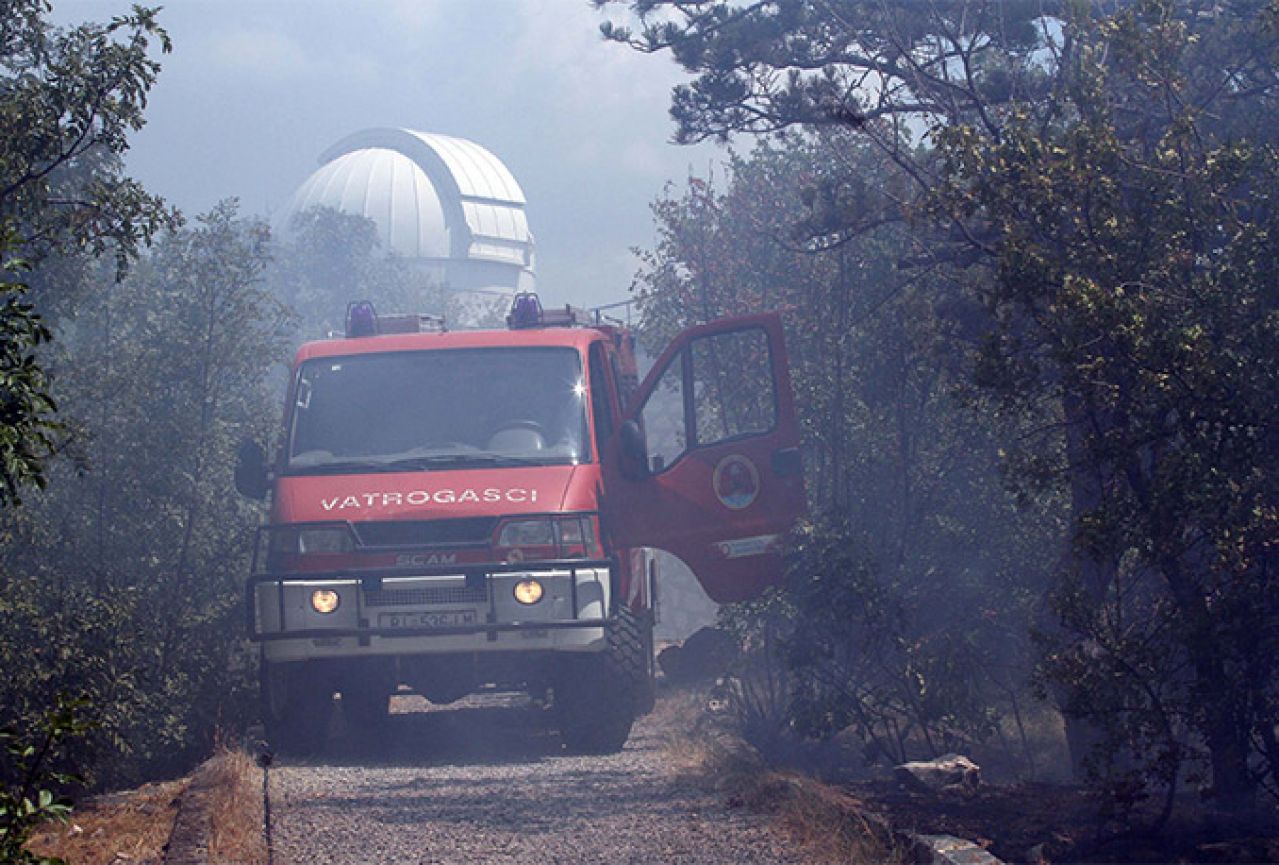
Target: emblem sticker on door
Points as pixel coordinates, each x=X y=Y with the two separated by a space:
x=736 y=481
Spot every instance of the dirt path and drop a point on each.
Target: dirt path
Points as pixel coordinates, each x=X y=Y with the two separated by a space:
x=486 y=782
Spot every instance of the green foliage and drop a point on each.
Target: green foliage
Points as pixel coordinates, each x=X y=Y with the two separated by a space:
x=874 y=64
x=861 y=662
x=327 y=258
x=1136 y=285
x=917 y=584
x=1096 y=184
x=31 y=787
x=27 y=429
x=761 y=690
x=69 y=99
x=163 y=376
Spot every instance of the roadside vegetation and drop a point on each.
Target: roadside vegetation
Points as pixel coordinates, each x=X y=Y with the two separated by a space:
x=1028 y=252
x=828 y=824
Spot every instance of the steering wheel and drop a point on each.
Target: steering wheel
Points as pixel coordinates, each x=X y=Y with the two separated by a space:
x=530 y=425
x=518 y=435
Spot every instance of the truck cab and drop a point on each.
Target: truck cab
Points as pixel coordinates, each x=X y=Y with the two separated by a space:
x=455 y=510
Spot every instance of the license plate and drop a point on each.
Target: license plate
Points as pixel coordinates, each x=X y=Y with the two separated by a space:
x=441 y=619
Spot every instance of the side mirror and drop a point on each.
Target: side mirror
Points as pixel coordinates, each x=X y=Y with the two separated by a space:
x=634 y=451
x=251 y=479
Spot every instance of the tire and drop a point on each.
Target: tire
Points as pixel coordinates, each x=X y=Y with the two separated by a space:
x=295 y=704
x=597 y=697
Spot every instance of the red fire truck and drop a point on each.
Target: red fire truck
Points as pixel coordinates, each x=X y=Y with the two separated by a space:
x=457 y=510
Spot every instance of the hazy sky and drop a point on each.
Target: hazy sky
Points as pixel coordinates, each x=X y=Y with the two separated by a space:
x=255 y=89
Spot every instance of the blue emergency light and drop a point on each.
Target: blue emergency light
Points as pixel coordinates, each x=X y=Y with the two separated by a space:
x=526 y=311
x=361 y=319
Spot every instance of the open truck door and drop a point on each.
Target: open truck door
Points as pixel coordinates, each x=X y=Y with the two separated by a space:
x=709 y=465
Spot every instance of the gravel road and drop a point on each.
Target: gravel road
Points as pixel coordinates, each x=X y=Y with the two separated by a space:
x=485 y=781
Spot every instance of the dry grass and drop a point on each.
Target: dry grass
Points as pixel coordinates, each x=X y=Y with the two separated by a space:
x=134 y=826
x=135 y=823
x=830 y=825
x=234 y=808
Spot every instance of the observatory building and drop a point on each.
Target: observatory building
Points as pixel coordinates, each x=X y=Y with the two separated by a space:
x=445 y=204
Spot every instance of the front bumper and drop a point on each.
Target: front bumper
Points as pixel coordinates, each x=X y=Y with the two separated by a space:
x=407 y=610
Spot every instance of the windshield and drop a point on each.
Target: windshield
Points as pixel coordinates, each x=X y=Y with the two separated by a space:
x=447 y=408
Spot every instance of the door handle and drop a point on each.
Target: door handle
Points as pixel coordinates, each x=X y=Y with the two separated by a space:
x=786 y=461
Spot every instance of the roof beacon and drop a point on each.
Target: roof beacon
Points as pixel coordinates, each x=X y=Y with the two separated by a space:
x=361 y=319
x=526 y=311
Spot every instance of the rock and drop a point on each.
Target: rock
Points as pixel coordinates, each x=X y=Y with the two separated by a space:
x=952 y=773
x=704 y=655
x=949 y=850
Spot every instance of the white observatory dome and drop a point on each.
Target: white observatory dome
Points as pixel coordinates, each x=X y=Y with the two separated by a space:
x=444 y=203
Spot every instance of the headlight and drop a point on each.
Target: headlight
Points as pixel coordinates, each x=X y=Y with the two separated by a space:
x=528 y=591
x=325 y=600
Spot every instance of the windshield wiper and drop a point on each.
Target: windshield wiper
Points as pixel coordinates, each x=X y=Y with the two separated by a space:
x=436 y=461
x=335 y=467
x=419 y=463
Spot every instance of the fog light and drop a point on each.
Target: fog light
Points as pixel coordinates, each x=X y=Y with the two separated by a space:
x=325 y=600
x=528 y=591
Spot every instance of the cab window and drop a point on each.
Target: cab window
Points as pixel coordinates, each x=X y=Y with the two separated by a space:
x=663 y=417
x=719 y=388
x=733 y=393
x=601 y=400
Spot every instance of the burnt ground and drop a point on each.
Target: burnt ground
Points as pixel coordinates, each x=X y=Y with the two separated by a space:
x=1012 y=820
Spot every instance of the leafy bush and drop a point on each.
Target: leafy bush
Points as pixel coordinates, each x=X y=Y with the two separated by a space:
x=124 y=582
x=32 y=788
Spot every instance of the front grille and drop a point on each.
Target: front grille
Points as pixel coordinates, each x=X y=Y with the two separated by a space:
x=427 y=533
x=426 y=596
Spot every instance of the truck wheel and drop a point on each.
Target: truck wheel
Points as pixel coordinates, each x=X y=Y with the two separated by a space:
x=598 y=696
x=295 y=704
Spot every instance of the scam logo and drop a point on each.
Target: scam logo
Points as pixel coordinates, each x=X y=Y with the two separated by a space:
x=419 y=559
x=736 y=482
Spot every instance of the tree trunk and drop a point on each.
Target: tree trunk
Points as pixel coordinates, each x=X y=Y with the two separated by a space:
x=1087 y=490
x=1225 y=724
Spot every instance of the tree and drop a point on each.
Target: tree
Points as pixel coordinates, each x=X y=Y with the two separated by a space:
x=1105 y=174
x=27 y=426
x=903 y=479
x=68 y=101
x=892 y=69
x=1136 y=287
x=166 y=374
x=30 y=785
x=327 y=259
